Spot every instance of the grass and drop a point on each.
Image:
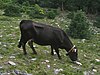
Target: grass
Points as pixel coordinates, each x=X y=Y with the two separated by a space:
x=44 y=63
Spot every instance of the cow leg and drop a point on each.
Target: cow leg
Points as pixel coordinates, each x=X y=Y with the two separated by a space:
x=20 y=43
x=57 y=51
x=24 y=49
x=52 y=53
x=30 y=42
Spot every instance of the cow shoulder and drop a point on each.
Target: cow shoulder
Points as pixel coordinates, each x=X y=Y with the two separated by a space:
x=38 y=25
x=37 y=28
x=59 y=34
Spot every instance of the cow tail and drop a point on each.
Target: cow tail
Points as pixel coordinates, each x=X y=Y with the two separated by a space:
x=20 y=41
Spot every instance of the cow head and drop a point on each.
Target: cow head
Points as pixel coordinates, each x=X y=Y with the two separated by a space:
x=73 y=53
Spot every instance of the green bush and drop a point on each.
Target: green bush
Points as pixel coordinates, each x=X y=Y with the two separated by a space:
x=37 y=12
x=97 y=22
x=2 y=5
x=12 y=10
x=51 y=15
x=79 y=27
x=71 y=15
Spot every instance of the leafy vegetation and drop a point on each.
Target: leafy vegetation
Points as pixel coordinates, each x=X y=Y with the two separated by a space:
x=79 y=27
x=12 y=10
x=51 y=15
x=37 y=12
x=97 y=22
x=87 y=6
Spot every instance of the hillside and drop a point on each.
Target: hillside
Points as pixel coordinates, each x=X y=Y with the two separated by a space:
x=13 y=62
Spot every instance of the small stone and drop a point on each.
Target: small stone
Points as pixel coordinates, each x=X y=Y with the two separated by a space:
x=56 y=71
x=74 y=67
x=78 y=63
x=1 y=36
x=45 y=51
x=94 y=45
x=5 y=45
x=29 y=74
x=84 y=55
x=97 y=60
x=43 y=62
x=1 y=57
x=1 y=67
x=33 y=59
x=54 y=64
x=16 y=72
x=11 y=63
x=55 y=59
x=0 y=43
x=86 y=73
x=60 y=69
x=47 y=61
x=34 y=46
x=48 y=66
x=94 y=70
x=56 y=23
x=5 y=74
x=16 y=27
x=83 y=40
x=12 y=57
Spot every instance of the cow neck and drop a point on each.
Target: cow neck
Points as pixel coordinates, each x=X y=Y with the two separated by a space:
x=68 y=42
x=71 y=49
x=69 y=46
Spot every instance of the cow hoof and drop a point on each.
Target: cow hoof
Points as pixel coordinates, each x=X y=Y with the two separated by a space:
x=35 y=53
x=25 y=53
x=60 y=58
x=19 y=46
x=52 y=54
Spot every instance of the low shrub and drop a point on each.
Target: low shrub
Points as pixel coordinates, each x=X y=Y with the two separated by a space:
x=51 y=15
x=97 y=22
x=79 y=27
x=12 y=10
x=37 y=12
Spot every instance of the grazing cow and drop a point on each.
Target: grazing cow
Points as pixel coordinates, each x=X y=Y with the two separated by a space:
x=46 y=35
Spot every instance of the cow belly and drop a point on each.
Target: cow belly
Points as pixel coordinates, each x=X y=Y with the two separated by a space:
x=45 y=40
